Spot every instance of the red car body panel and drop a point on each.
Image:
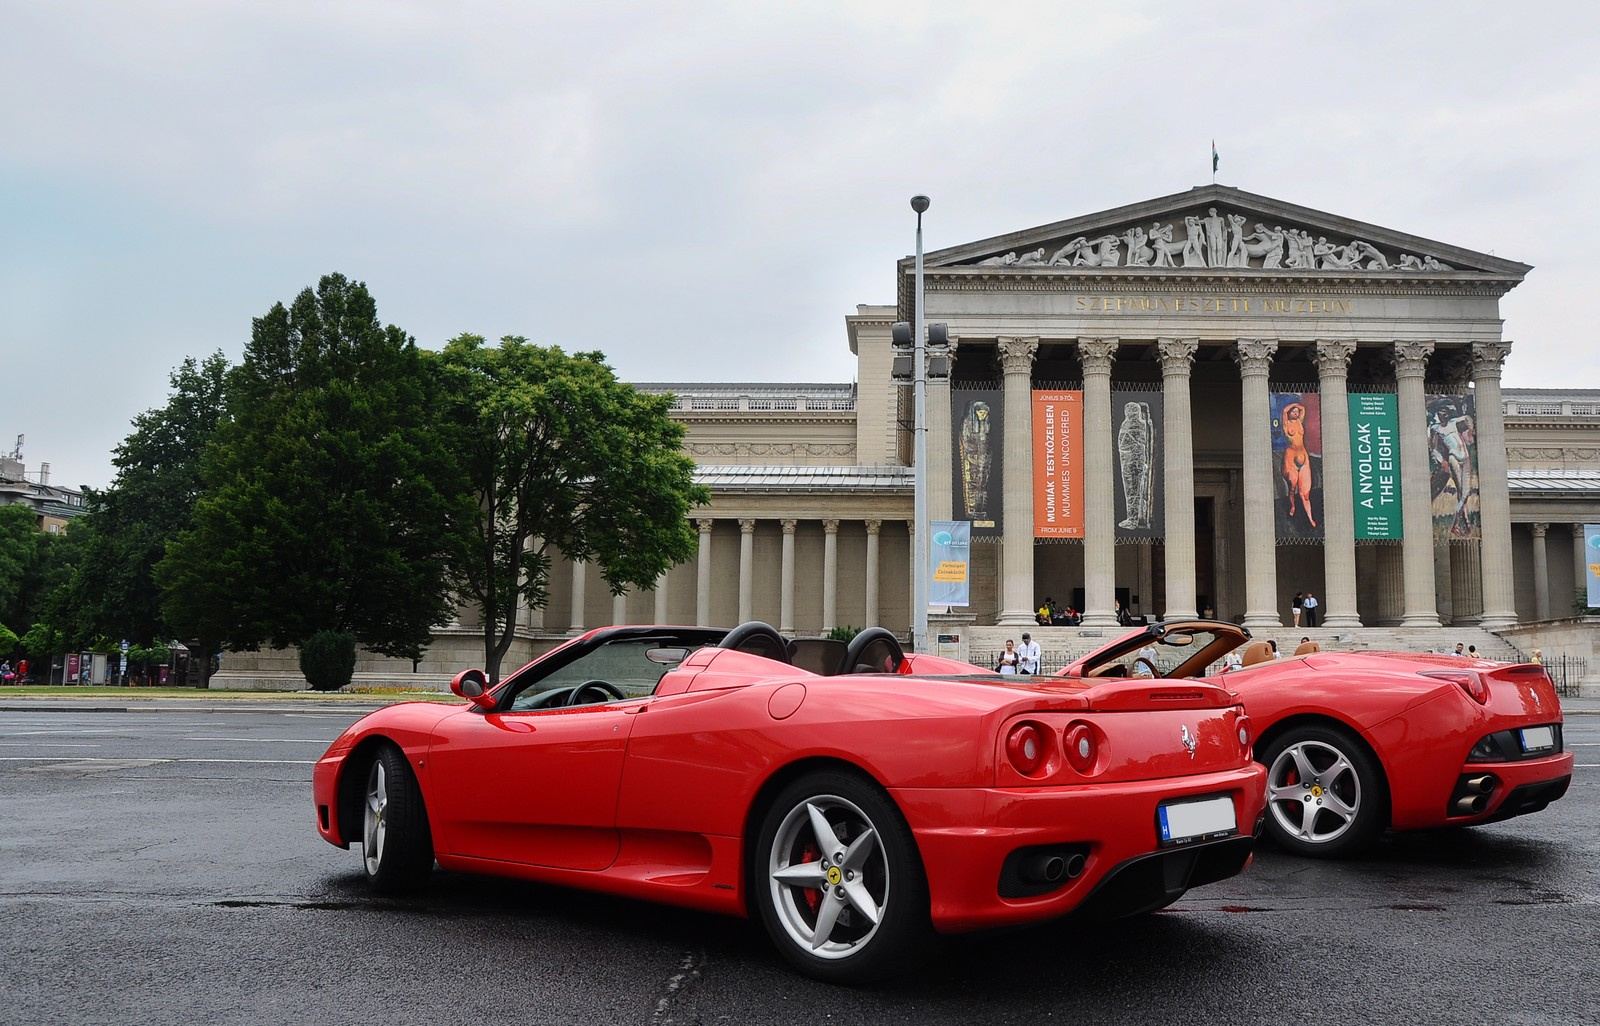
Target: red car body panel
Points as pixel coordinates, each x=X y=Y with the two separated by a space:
x=1420 y=727
x=658 y=796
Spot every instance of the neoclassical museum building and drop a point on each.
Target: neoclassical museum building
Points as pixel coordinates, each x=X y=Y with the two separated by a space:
x=1200 y=404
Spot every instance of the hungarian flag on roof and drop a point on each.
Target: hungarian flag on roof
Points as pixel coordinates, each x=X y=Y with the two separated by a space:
x=1215 y=160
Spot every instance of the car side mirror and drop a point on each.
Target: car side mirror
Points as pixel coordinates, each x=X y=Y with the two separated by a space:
x=474 y=687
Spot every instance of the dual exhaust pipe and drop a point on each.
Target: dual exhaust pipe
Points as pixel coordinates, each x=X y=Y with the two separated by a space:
x=1475 y=802
x=1051 y=869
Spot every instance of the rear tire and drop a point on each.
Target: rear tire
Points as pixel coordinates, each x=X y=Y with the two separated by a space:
x=837 y=880
x=1325 y=792
x=396 y=842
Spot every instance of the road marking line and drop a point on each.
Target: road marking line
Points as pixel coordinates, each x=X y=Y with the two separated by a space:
x=43 y=744
x=67 y=758
x=277 y=740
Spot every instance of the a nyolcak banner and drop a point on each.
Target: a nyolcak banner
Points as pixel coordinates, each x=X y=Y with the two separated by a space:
x=1375 y=465
x=1453 y=462
x=1297 y=464
x=1058 y=464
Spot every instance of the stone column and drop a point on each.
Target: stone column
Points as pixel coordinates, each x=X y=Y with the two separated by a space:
x=579 y=579
x=1541 y=573
x=702 y=595
x=661 y=598
x=1254 y=356
x=619 y=609
x=1016 y=542
x=1444 y=592
x=1338 y=606
x=830 y=575
x=1391 y=583
x=535 y=614
x=1580 y=562
x=940 y=478
x=1099 y=490
x=747 y=569
x=1466 y=577
x=1416 y=490
x=873 y=527
x=1177 y=356
x=1494 y=489
x=786 y=602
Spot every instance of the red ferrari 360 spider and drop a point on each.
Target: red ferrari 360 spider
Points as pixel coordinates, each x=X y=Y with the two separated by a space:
x=858 y=800
x=1357 y=742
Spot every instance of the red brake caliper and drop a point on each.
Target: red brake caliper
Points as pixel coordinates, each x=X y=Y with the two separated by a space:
x=813 y=896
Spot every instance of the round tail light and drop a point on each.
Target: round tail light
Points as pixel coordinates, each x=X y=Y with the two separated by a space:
x=1026 y=747
x=1082 y=749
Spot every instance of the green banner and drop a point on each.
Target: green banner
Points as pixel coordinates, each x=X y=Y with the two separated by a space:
x=1375 y=465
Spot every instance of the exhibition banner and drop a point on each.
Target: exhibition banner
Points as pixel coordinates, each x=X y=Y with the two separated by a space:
x=1136 y=423
x=1297 y=464
x=1591 y=559
x=976 y=419
x=1057 y=464
x=1375 y=465
x=950 y=562
x=1453 y=465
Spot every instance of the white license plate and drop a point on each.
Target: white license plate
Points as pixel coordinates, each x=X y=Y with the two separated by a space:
x=1535 y=738
x=1180 y=822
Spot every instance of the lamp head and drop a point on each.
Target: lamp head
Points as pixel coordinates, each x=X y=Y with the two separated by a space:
x=920 y=203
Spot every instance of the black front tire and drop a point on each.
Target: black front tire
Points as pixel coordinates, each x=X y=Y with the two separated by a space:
x=396 y=842
x=837 y=880
x=1326 y=793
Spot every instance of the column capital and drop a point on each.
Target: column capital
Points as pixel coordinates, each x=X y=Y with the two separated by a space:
x=789 y=525
x=1579 y=533
x=1254 y=355
x=705 y=524
x=911 y=527
x=1455 y=367
x=1539 y=530
x=1487 y=358
x=1096 y=354
x=1411 y=358
x=1177 y=355
x=1017 y=353
x=830 y=526
x=874 y=526
x=1333 y=356
x=747 y=526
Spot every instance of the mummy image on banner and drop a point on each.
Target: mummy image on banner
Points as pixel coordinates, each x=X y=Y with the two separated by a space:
x=1453 y=462
x=1297 y=463
x=1136 y=418
x=976 y=419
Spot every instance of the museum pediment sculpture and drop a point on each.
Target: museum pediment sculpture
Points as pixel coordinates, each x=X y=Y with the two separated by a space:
x=1220 y=228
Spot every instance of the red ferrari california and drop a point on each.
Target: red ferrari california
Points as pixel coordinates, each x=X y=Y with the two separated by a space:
x=1357 y=742
x=859 y=801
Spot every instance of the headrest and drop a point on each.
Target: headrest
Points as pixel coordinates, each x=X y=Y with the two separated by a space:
x=1307 y=647
x=1256 y=652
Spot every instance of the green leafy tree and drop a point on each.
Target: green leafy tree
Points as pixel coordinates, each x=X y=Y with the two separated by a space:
x=19 y=531
x=113 y=592
x=562 y=456
x=331 y=500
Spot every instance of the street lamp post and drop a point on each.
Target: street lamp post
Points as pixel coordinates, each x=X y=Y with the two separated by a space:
x=919 y=614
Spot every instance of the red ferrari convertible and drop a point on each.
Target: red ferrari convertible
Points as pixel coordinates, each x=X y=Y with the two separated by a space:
x=856 y=799
x=1357 y=742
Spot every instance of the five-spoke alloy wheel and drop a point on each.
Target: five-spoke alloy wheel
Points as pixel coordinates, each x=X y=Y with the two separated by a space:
x=396 y=843
x=838 y=882
x=1325 y=792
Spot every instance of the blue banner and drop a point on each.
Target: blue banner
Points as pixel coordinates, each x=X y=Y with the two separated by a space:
x=950 y=563
x=1591 y=552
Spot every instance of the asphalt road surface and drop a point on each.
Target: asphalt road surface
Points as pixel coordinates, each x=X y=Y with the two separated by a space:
x=164 y=868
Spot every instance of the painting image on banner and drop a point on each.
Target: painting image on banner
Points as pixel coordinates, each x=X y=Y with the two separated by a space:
x=950 y=560
x=1297 y=464
x=1453 y=462
x=1057 y=464
x=976 y=416
x=1375 y=465
x=1591 y=557
x=1136 y=427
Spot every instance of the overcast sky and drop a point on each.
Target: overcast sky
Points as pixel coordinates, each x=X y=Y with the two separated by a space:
x=704 y=191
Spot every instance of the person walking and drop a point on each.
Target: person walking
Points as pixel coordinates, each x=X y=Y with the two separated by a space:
x=1008 y=658
x=1028 y=655
x=1310 y=606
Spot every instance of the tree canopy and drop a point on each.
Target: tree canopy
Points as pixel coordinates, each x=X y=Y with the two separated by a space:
x=331 y=501
x=562 y=456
